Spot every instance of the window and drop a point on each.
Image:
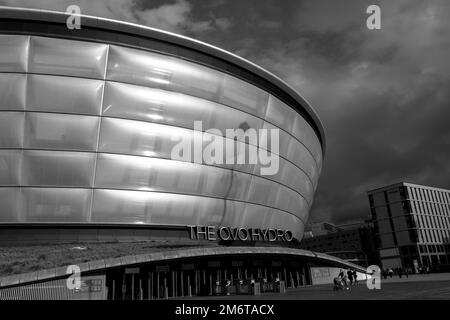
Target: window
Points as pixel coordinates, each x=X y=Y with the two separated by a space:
x=413 y=235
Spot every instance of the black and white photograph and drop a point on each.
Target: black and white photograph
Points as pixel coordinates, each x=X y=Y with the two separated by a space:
x=220 y=158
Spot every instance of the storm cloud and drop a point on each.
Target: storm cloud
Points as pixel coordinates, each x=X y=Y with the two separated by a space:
x=383 y=95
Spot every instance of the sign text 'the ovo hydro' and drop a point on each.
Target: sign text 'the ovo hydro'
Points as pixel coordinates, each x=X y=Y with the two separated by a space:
x=213 y=233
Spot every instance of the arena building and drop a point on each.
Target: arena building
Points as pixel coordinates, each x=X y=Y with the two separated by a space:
x=89 y=119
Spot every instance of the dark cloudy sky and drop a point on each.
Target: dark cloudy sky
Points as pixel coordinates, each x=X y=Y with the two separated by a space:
x=383 y=95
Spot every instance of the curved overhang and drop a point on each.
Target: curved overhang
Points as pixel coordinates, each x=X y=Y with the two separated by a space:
x=177 y=254
x=213 y=56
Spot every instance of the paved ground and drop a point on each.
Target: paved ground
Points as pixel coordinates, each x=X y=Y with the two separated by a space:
x=433 y=286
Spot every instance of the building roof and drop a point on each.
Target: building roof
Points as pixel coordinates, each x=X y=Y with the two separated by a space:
x=407 y=184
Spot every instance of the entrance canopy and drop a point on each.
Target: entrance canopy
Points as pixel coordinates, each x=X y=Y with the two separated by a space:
x=318 y=259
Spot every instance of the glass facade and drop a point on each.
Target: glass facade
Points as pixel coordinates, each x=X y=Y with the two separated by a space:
x=415 y=219
x=87 y=129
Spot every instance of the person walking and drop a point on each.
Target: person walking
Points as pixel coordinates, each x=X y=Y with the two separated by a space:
x=341 y=274
x=391 y=273
x=355 y=276
x=350 y=276
x=345 y=282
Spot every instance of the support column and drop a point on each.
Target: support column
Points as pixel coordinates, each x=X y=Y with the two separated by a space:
x=176 y=283
x=132 y=286
x=149 y=283
x=189 y=286
x=182 y=284
x=158 y=296
x=166 y=288
x=113 y=293
x=210 y=284
x=172 y=278
x=195 y=282
x=124 y=287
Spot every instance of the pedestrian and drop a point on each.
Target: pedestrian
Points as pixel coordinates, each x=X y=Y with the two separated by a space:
x=350 y=276
x=337 y=284
x=355 y=276
x=391 y=272
x=400 y=272
x=345 y=282
x=227 y=287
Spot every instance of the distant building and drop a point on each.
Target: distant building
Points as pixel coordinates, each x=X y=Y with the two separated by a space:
x=320 y=228
x=412 y=225
x=355 y=244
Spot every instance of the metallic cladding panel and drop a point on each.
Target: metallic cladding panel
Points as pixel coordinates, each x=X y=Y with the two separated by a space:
x=125 y=206
x=11 y=129
x=163 y=175
x=66 y=57
x=244 y=96
x=156 y=140
x=99 y=151
x=10 y=199
x=142 y=207
x=303 y=158
x=57 y=168
x=279 y=114
x=282 y=116
x=149 y=139
x=158 y=71
x=172 y=108
x=61 y=131
x=304 y=133
x=289 y=145
x=10 y=167
x=139 y=138
x=13 y=53
x=64 y=94
x=12 y=91
x=152 y=174
x=56 y=204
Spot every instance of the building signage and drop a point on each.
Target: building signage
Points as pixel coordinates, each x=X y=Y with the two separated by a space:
x=131 y=270
x=213 y=233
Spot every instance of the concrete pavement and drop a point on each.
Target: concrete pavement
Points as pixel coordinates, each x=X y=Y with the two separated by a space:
x=428 y=286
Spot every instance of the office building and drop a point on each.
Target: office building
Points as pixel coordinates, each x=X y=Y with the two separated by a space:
x=355 y=243
x=315 y=229
x=412 y=225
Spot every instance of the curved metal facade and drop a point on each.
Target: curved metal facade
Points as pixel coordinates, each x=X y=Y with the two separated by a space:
x=87 y=128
